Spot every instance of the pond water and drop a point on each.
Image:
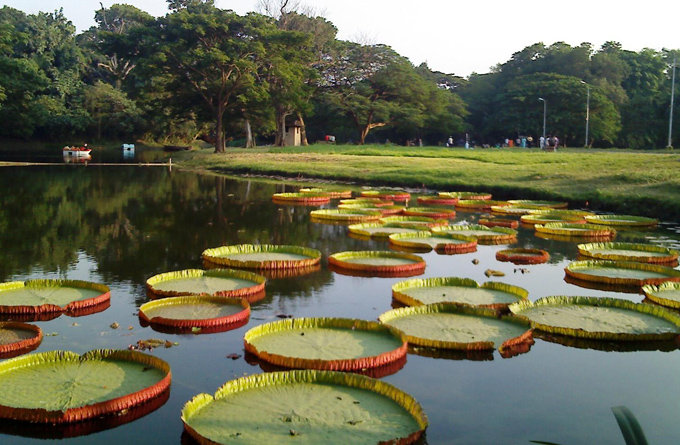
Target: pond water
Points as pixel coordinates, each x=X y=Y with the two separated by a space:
x=122 y=225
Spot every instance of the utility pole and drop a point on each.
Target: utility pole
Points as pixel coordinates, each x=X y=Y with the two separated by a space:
x=545 y=107
x=670 y=118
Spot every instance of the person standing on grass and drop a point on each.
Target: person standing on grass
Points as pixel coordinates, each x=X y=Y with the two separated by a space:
x=541 y=142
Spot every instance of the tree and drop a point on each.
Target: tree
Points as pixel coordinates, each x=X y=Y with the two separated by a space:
x=212 y=54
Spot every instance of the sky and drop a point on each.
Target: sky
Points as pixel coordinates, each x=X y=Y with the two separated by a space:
x=457 y=37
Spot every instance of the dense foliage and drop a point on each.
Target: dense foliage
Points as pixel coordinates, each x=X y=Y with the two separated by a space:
x=204 y=72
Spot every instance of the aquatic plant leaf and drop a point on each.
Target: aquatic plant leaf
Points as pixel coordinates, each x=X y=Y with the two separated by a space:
x=263 y=256
x=630 y=427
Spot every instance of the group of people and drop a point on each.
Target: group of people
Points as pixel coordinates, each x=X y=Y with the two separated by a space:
x=548 y=143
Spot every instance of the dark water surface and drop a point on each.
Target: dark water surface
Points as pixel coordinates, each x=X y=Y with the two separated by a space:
x=121 y=225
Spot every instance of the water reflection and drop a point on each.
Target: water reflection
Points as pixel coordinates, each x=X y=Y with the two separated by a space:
x=611 y=346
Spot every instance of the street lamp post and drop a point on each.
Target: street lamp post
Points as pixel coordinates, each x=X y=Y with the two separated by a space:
x=670 y=116
x=545 y=105
x=587 y=111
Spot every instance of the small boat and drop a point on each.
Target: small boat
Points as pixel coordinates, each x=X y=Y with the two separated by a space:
x=128 y=147
x=76 y=151
x=176 y=147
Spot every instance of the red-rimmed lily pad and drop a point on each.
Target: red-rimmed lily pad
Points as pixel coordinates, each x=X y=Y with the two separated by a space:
x=576 y=230
x=218 y=282
x=523 y=256
x=627 y=273
x=370 y=202
x=666 y=294
x=465 y=291
x=210 y=314
x=425 y=240
x=302 y=198
x=479 y=204
x=438 y=200
x=483 y=234
x=385 y=210
x=414 y=221
x=391 y=195
x=332 y=344
x=430 y=212
x=312 y=406
x=600 y=318
x=333 y=194
x=467 y=195
x=514 y=209
x=539 y=203
x=499 y=222
x=18 y=338
x=622 y=220
x=452 y=326
x=263 y=256
x=642 y=253
x=29 y=299
x=345 y=215
x=378 y=262
x=62 y=386
x=379 y=230
x=553 y=216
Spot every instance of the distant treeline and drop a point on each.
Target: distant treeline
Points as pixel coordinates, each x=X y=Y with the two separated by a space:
x=205 y=72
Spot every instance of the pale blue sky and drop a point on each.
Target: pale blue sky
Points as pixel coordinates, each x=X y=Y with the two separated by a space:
x=458 y=37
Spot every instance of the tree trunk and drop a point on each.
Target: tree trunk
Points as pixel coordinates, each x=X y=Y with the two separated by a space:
x=280 y=140
x=303 y=130
x=363 y=133
x=219 y=131
x=250 y=142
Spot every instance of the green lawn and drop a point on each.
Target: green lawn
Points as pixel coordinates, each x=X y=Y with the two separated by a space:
x=624 y=181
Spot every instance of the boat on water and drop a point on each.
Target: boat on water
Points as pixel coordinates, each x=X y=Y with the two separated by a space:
x=76 y=151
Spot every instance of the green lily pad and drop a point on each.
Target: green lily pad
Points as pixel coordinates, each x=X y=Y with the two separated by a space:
x=310 y=407
x=391 y=195
x=302 y=198
x=18 y=338
x=445 y=242
x=345 y=215
x=379 y=230
x=483 y=234
x=218 y=282
x=642 y=253
x=553 y=216
x=576 y=230
x=430 y=212
x=539 y=203
x=188 y=312
x=621 y=272
x=337 y=344
x=61 y=386
x=481 y=196
x=263 y=256
x=666 y=294
x=600 y=318
x=51 y=296
x=622 y=220
x=491 y=294
x=381 y=262
x=451 y=326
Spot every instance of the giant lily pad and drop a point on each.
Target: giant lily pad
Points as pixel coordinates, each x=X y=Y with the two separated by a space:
x=204 y=312
x=379 y=230
x=479 y=204
x=430 y=212
x=425 y=240
x=452 y=326
x=302 y=198
x=385 y=209
x=437 y=200
x=523 y=256
x=61 y=386
x=666 y=294
x=378 y=262
x=628 y=273
x=414 y=221
x=345 y=215
x=514 y=209
x=27 y=298
x=539 y=203
x=218 y=282
x=553 y=216
x=576 y=230
x=391 y=195
x=622 y=220
x=467 y=195
x=334 y=194
x=484 y=235
x=369 y=202
x=642 y=253
x=600 y=318
x=333 y=344
x=498 y=222
x=305 y=406
x=263 y=256
x=466 y=291
x=18 y=338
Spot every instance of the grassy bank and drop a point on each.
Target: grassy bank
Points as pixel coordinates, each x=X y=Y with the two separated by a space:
x=632 y=182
